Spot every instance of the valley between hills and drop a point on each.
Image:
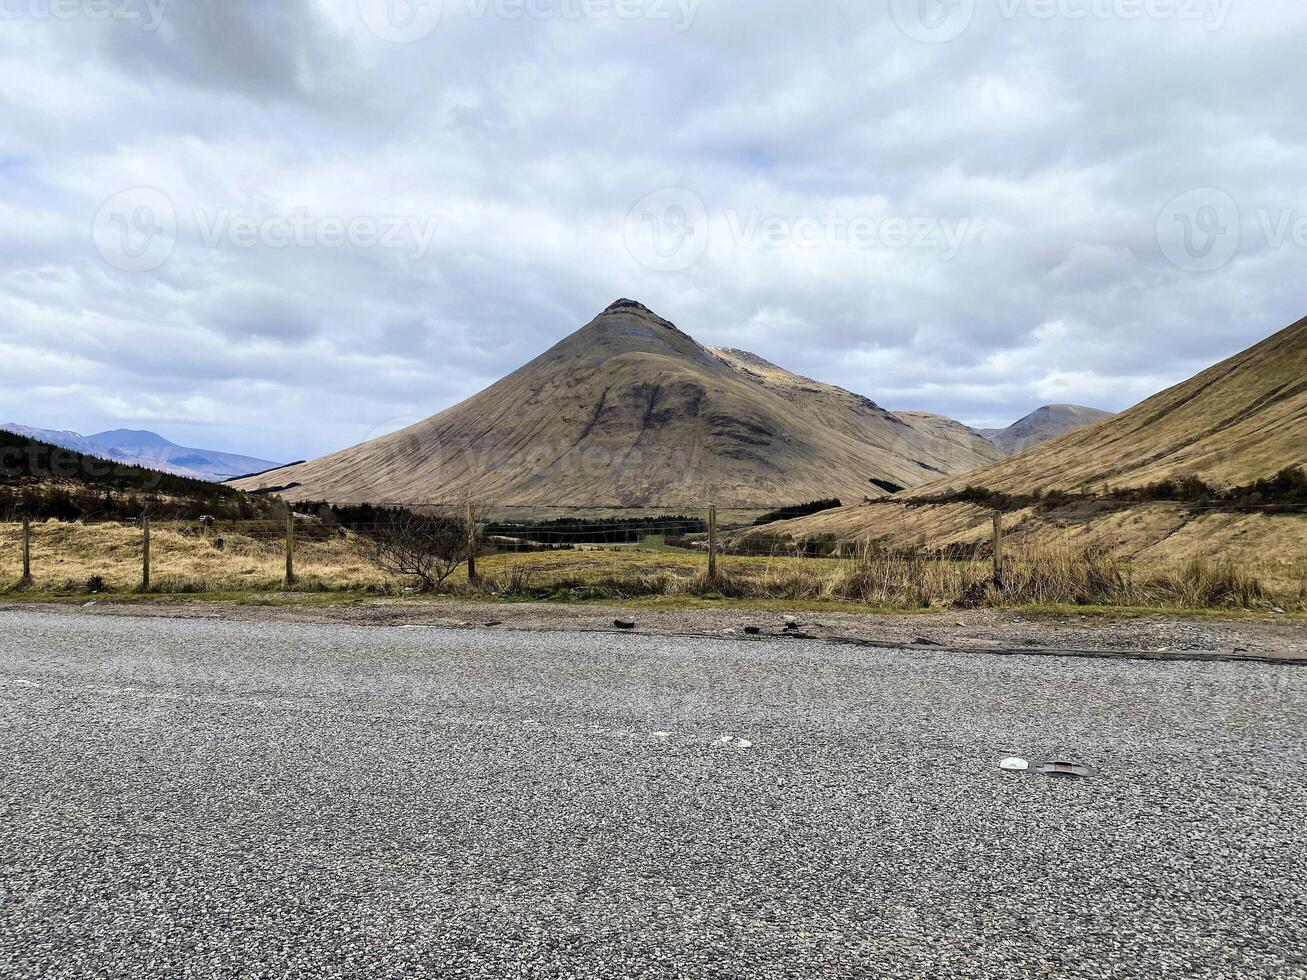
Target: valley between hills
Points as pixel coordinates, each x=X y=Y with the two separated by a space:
x=630 y=412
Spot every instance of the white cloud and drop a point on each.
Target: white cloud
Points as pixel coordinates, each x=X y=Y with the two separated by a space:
x=529 y=140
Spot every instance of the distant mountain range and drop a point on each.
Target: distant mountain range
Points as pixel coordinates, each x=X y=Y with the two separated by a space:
x=151 y=450
x=1042 y=425
x=630 y=411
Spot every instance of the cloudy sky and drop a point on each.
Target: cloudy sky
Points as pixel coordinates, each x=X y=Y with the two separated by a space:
x=281 y=228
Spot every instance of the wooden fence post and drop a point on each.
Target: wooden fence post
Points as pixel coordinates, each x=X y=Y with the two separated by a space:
x=712 y=542
x=290 y=546
x=27 y=551
x=998 y=548
x=471 y=543
x=145 y=554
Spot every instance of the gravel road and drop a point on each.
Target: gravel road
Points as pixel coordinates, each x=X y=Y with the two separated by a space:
x=214 y=798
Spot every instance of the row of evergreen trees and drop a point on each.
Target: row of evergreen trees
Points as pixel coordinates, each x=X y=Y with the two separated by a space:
x=43 y=481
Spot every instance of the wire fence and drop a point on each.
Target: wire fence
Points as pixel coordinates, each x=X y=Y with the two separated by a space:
x=295 y=549
x=321 y=551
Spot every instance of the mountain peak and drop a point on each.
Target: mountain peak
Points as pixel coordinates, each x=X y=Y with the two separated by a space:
x=630 y=325
x=631 y=307
x=627 y=304
x=130 y=438
x=148 y=449
x=1044 y=423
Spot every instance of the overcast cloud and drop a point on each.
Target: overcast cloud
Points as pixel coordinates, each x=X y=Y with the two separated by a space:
x=281 y=228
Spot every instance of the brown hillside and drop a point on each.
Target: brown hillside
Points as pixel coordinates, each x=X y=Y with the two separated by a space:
x=629 y=412
x=1273 y=541
x=1237 y=422
x=1243 y=419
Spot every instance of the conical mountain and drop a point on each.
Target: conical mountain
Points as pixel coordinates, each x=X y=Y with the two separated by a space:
x=629 y=411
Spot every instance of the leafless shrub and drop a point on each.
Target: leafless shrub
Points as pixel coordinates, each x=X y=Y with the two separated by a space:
x=429 y=547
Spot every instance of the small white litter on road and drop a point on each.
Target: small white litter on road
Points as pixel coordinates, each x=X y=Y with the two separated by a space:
x=741 y=743
x=1014 y=764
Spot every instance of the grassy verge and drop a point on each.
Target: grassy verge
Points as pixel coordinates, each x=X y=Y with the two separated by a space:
x=651 y=604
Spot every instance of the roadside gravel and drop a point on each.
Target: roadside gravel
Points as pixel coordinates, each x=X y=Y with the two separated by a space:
x=226 y=798
x=1151 y=635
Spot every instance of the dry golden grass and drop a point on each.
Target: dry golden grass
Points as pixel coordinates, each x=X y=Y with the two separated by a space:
x=1043 y=576
x=65 y=557
x=1148 y=535
x=105 y=557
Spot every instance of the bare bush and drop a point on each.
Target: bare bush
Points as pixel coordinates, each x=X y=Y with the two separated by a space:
x=429 y=547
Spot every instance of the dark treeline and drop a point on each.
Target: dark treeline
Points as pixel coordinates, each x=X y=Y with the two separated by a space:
x=43 y=481
x=75 y=504
x=367 y=519
x=556 y=531
x=24 y=460
x=798 y=510
x=356 y=517
x=1288 y=488
x=601 y=530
